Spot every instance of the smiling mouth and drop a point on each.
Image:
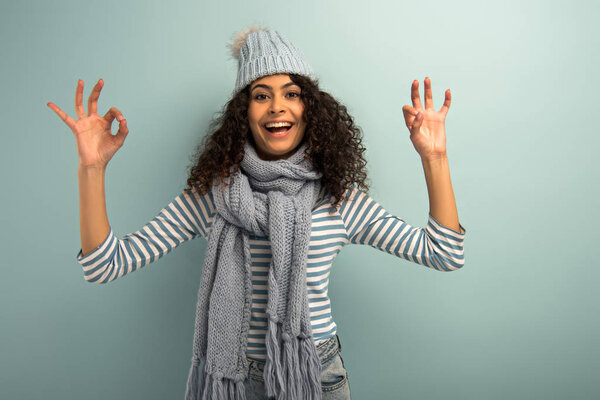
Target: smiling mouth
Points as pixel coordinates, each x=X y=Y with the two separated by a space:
x=279 y=130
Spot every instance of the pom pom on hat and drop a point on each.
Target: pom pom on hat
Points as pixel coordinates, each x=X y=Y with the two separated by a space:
x=240 y=39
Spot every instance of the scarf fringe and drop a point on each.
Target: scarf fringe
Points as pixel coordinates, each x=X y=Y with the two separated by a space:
x=213 y=386
x=273 y=370
x=312 y=375
x=298 y=374
x=191 y=392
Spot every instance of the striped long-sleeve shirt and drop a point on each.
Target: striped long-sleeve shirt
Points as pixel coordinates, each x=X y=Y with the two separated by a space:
x=359 y=220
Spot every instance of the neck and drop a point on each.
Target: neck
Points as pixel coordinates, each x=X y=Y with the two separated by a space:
x=265 y=156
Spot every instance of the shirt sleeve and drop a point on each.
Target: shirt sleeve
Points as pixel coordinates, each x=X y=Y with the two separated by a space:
x=185 y=218
x=436 y=246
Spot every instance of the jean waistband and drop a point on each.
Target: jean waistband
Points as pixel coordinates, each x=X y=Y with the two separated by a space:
x=325 y=350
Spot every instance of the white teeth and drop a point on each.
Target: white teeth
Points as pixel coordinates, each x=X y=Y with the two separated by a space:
x=277 y=124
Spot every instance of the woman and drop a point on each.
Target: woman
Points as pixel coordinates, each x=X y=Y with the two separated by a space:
x=277 y=189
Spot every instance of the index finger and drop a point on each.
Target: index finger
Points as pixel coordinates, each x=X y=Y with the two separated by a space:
x=67 y=120
x=410 y=113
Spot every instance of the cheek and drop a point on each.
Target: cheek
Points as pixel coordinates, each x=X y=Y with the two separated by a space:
x=253 y=115
x=303 y=122
x=300 y=114
x=303 y=132
x=254 y=131
x=251 y=119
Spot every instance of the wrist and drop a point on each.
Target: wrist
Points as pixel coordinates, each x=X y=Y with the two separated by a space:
x=91 y=169
x=436 y=159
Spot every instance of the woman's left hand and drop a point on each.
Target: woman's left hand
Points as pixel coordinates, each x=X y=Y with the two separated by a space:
x=427 y=126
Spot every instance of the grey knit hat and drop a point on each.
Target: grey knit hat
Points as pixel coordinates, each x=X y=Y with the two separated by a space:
x=262 y=52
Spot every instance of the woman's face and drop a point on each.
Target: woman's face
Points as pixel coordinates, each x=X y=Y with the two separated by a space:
x=276 y=99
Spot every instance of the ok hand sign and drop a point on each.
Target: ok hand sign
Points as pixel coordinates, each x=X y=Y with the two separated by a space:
x=95 y=143
x=427 y=126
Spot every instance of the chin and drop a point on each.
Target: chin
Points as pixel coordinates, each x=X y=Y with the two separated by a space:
x=277 y=151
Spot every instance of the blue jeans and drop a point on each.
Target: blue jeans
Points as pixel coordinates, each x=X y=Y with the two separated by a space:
x=334 y=378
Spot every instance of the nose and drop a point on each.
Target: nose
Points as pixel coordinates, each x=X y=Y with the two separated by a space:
x=276 y=105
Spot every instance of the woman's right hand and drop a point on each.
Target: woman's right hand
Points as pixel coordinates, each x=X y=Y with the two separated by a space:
x=95 y=142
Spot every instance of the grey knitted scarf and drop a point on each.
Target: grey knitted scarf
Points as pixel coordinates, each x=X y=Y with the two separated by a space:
x=272 y=199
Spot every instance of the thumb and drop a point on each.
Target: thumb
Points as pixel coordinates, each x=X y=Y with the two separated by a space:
x=416 y=125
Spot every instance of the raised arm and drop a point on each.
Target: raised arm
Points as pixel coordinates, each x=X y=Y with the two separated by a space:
x=185 y=218
x=428 y=134
x=366 y=222
x=96 y=145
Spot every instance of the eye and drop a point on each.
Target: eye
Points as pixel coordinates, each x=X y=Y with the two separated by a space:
x=294 y=94
x=260 y=96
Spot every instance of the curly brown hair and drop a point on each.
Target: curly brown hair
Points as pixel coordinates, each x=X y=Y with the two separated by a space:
x=334 y=142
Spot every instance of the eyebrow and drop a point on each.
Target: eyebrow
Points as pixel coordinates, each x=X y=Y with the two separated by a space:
x=270 y=88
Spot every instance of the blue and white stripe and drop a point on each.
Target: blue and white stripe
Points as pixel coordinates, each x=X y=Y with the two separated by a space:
x=368 y=223
x=359 y=220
